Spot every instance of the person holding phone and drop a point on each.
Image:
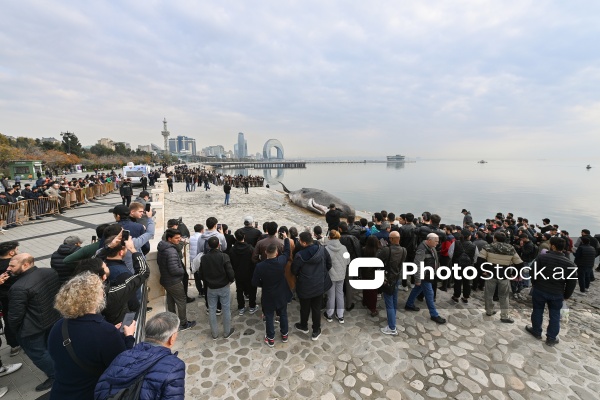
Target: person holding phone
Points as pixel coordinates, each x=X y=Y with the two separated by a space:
x=94 y=341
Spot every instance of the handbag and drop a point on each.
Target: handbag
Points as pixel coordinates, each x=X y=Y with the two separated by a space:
x=388 y=287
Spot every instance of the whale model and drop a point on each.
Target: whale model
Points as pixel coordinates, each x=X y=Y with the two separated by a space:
x=318 y=201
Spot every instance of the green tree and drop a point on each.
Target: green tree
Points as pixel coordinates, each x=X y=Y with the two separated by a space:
x=101 y=151
x=121 y=149
x=70 y=143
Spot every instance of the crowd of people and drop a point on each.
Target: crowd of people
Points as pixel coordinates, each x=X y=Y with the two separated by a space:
x=76 y=320
x=202 y=178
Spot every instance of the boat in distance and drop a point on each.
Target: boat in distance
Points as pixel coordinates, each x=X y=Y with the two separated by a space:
x=396 y=158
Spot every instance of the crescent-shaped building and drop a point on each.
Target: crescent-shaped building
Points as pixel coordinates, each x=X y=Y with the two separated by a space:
x=267 y=149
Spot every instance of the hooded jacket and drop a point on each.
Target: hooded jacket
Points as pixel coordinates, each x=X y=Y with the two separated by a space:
x=207 y=234
x=215 y=269
x=165 y=373
x=169 y=264
x=241 y=261
x=64 y=270
x=311 y=265
x=339 y=264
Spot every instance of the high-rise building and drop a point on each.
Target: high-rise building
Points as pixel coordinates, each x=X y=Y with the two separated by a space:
x=106 y=142
x=182 y=144
x=213 y=151
x=242 y=146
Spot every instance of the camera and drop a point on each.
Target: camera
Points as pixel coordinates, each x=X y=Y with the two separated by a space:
x=147 y=207
x=124 y=236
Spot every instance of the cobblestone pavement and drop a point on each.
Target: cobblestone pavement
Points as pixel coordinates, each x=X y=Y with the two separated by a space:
x=471 y=357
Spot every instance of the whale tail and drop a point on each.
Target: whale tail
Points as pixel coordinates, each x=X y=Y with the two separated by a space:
x=284 y=188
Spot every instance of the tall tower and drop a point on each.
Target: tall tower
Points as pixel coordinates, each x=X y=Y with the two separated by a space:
x=166 y=134
x=242 y=146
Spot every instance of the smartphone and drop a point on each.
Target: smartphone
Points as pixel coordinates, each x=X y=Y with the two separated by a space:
x=94 y=239
x=256 y=224
x=218 y=227
x=125 y=235
x=147 y=207
x=127 y=320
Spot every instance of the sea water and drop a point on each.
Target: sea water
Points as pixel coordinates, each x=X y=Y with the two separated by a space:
x=563 y=191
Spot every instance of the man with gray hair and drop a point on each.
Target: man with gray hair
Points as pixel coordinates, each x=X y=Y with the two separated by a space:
x=65 y=271
x=426 y=256
x=163 y=371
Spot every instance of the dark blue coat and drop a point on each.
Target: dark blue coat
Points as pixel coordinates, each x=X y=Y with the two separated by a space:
x=165 y=379
x=270 y=275
x=311 y=266
x=95 y=342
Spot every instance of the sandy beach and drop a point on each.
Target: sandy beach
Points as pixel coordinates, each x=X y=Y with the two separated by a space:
x=261 y=203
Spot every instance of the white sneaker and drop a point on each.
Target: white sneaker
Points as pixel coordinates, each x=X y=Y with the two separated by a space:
x=404 y=288
x=9 y=368
x=387 y=331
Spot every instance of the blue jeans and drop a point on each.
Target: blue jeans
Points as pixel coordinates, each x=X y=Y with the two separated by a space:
x=391 y=306
x=36 y=348
x=427 y=289
x=269 y=321
x=214 y=296
x=554 y=302
x=226 y=199
x=584 y=275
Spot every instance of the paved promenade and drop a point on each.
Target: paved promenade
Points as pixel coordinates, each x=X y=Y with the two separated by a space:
x=471 y=357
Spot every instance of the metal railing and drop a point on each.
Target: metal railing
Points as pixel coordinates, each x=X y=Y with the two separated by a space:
x=22 y=211
x=140 y=329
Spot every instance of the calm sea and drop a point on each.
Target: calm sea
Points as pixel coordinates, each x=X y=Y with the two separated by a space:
x=565 y=192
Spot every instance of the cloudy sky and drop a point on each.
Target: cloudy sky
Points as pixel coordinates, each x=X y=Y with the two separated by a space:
x=460 y=79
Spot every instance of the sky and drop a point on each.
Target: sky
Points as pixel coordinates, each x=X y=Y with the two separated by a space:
x=432 y=79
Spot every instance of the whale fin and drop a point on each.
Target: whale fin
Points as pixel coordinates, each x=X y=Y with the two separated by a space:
x=284 y=188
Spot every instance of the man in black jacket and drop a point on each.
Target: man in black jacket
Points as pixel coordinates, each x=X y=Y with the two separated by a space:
x=553 y=283
x=7 y=251
x=65 y=271
x=354 y=249
x=584 y=259
x=332 y=217
x=251 y=234
x=311 y=266
x=270 y=275
x=243 y=267
x=32 y=312
x=216 y=271
x=172 y=271
x=126 y=192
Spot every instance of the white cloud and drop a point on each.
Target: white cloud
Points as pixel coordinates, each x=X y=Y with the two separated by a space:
x=348 y=75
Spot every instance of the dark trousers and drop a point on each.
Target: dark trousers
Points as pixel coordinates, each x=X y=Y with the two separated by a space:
x=370 y=299
x=244 y=286
x=465 y=285
x=540 y=300
x=176 y=297
x=170 y=185
x=126 y=200
x=186 y=281
x=307 y=306
x=36 y=348
x=198 y=283
x=269 y=321
x=11 y=337
x=584 y=275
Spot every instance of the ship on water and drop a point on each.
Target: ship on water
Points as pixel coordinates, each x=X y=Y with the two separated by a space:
x=396 y=158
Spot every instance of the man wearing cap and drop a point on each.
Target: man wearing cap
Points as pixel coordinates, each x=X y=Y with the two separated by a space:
x=332 y=217
x=251 y=234
x=126 y=191
x=467 y=219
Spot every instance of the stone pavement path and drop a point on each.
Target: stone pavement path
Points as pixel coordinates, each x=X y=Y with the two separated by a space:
x=471 y=357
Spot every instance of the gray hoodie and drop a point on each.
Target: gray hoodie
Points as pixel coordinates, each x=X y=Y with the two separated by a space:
x=339 y=264
x=207 y=234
